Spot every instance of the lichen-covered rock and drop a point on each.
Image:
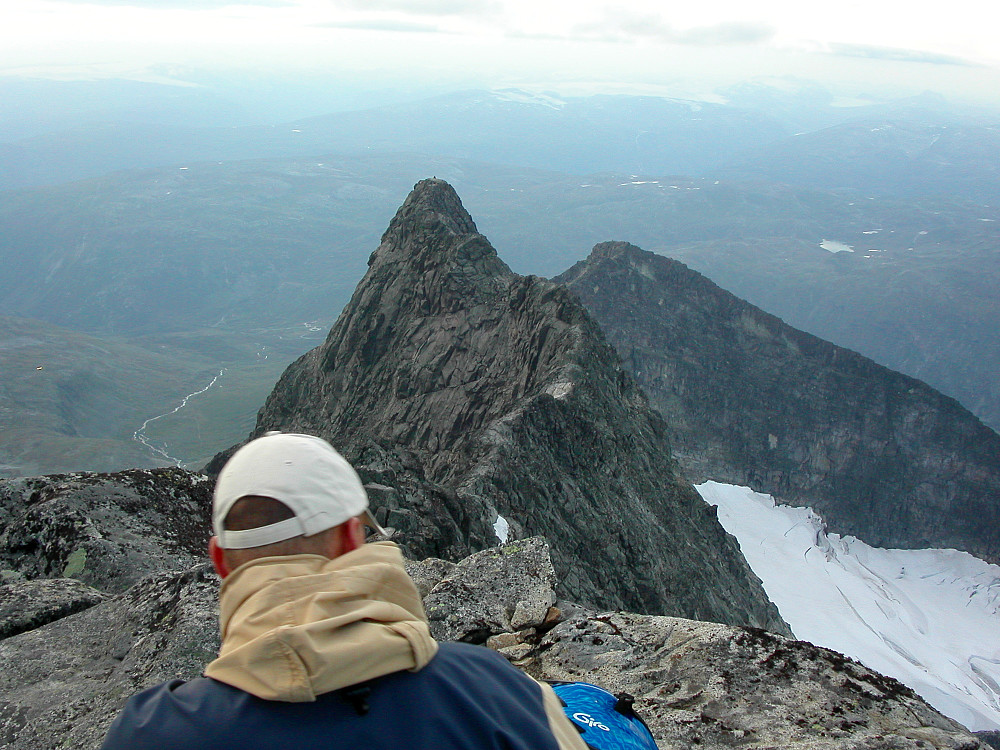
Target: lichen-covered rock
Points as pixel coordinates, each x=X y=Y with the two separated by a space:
x=497 y=590
x=698 y=684
x=107 y=530
x=26 y=605
x=715 y=686
x=61 y=685
x=426 y=574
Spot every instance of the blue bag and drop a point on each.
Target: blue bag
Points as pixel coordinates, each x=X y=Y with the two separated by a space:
x=605 y=721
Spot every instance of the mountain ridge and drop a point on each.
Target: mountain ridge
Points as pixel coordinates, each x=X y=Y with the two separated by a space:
x=509 y=400
x=754 y=401
x=470 y=392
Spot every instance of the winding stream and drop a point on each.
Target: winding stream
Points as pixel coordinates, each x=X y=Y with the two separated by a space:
x=140 y=434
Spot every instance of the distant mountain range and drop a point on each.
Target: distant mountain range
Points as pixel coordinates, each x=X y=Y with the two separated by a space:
x=855 y=252
x=579 y=135
x=922 y=146
x=898 y=156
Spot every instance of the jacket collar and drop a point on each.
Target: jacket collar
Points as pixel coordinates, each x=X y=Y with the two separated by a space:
x=299 y=626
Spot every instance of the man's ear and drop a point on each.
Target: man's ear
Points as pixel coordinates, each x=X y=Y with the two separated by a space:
x=346 y=538
x=218 y=557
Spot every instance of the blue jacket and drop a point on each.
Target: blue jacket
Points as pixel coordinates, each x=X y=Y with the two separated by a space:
x=466 y=698
x=336 y=653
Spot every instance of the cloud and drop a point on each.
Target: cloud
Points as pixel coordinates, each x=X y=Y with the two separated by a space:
x=631 y=27
x=898 y=55
x=414 y=16
x=726 y=33
x=382 y=25
x=425 y=7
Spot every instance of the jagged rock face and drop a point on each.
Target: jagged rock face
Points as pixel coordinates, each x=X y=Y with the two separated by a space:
x=752 y=401
x=465 y=391
x=105 y=530
x=697 y=684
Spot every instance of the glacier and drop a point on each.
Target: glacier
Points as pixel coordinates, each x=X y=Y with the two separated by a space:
x=930 y=617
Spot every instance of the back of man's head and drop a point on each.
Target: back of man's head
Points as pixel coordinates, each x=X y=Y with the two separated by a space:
x=281 y=494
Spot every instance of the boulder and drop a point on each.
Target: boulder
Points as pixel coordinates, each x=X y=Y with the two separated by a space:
x=26 y=605
x=106 y=530
x=498 y=590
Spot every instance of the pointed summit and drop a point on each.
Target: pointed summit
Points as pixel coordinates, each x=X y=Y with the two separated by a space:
x=466 y=394
x=751 y=400
x=432 y=202
x=431 y=255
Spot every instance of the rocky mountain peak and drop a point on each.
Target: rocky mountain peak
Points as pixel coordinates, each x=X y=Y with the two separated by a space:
x=751 y=400
x=612 y=250
x=432 y=201
x=623 y=260
x=432 y=229
x=471 y=399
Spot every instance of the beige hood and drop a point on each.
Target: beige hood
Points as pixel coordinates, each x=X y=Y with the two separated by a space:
x=299 y=626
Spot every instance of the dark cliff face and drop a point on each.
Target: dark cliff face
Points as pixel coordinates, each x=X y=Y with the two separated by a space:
x=462 y=391
x=753 y=401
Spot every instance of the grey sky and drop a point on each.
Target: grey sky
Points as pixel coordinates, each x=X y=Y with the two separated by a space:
x=425 y=7
x=894 y=43
x=383 y=25
x=898 y=55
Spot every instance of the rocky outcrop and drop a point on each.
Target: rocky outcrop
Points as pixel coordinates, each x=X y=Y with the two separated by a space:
x=458 y=611
x=105 y=530
x=467 y=392
x=697 y=684
x=752 y=401
x=26 y=605
x=62 y=684
x=92 y=606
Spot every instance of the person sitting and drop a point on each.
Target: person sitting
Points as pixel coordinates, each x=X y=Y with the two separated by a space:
x=325 y=643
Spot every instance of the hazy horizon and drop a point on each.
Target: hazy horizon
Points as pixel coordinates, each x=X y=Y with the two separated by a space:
x=355 y=54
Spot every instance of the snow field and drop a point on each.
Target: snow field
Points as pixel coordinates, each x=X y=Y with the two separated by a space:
x=930 y=618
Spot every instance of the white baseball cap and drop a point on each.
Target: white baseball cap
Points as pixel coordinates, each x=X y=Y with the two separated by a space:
x=303 y=472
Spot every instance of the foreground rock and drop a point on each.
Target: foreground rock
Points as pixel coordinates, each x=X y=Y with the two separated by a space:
x=460 y=607
x=698 y=684
x=106 y=530
x=26 y=605
x=467 y=392
x=752 y=401
x=62 y=684
x=704 y=685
